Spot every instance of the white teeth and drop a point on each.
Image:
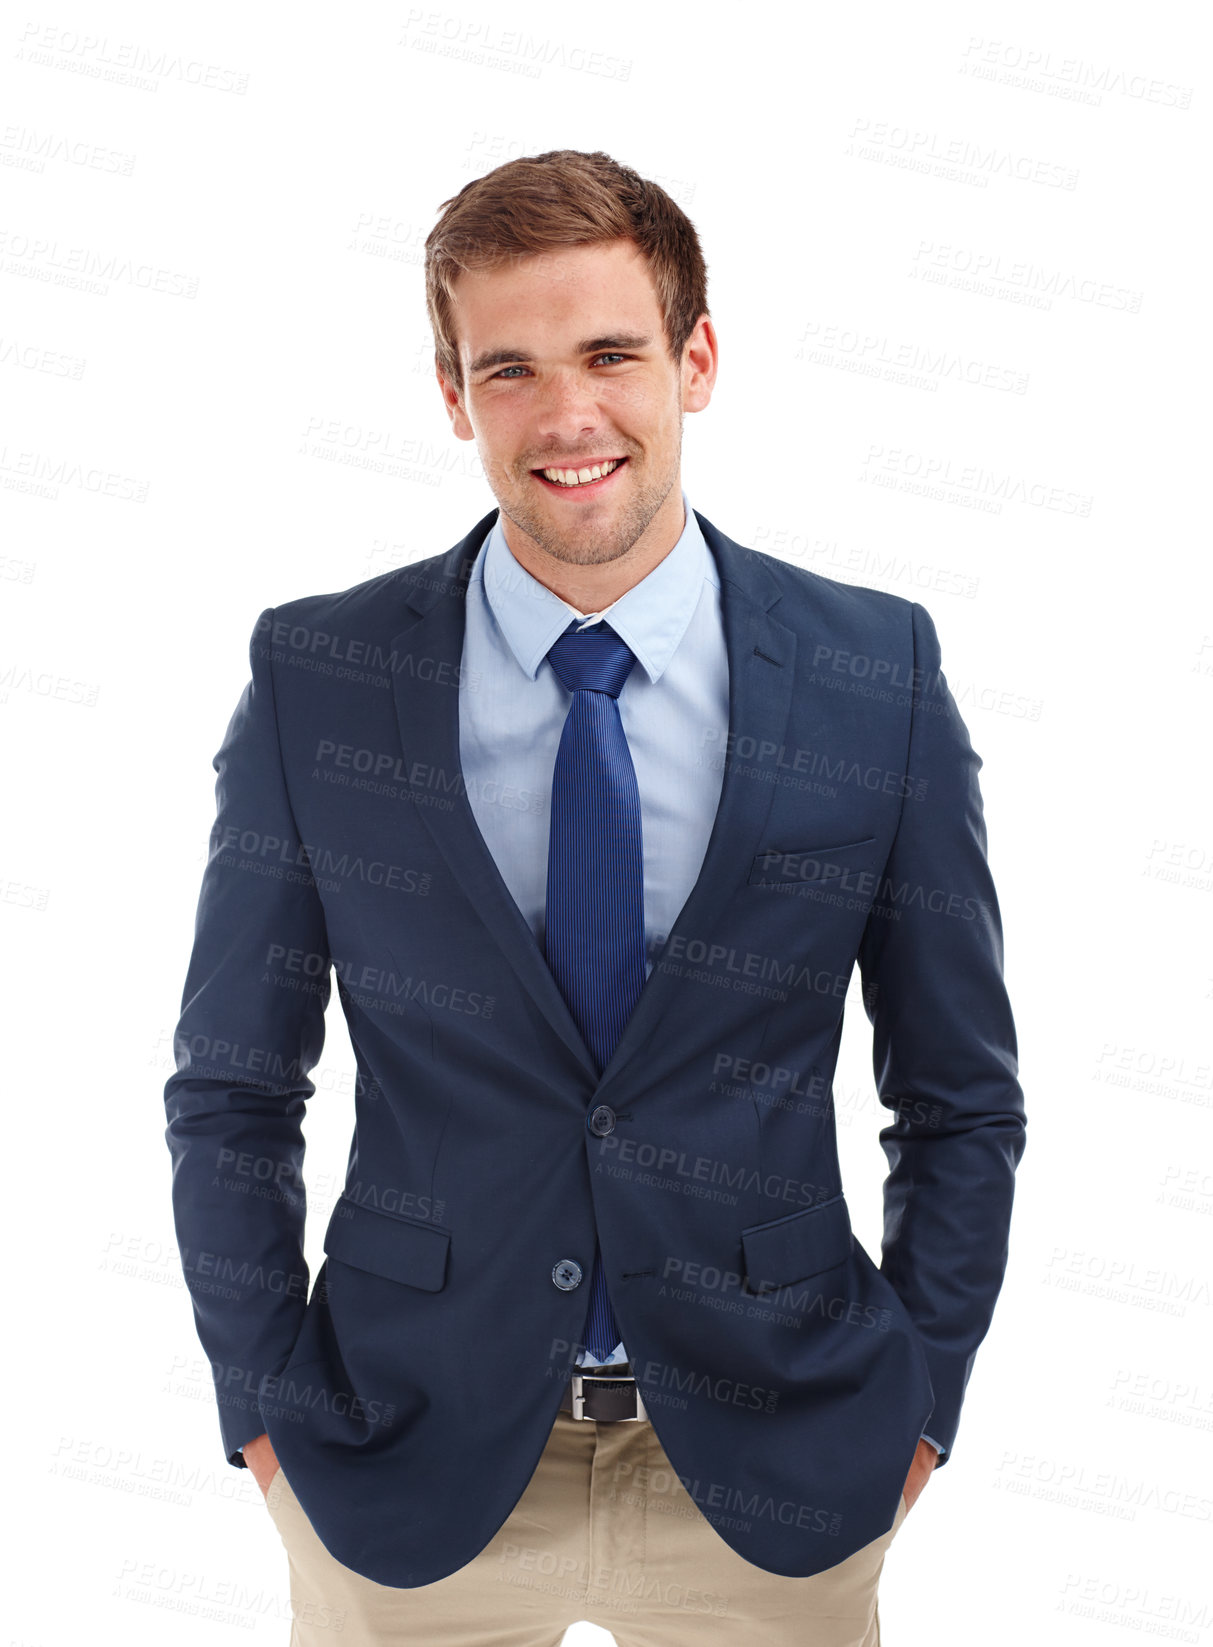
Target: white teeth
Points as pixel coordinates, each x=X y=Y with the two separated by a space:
x=578 y=477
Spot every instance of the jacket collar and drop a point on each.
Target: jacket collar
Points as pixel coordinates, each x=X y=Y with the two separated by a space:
x=651 y=617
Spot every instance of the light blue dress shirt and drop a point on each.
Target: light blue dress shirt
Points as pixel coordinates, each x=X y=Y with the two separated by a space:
x=674 y=707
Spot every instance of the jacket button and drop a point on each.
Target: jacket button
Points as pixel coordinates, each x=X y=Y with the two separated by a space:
x=602 y=1120
x=567 y=1274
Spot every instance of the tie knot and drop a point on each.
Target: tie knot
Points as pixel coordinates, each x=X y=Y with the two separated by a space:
x=592 y=659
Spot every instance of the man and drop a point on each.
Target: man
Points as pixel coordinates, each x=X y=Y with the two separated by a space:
x=592 y=817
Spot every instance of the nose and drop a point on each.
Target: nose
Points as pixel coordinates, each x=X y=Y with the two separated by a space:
x=568 y=414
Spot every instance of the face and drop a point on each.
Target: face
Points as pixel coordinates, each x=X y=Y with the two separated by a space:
x=565 y=365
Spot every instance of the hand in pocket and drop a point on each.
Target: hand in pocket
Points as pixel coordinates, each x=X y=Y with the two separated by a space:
x=261 y=1459
x=925 y=1458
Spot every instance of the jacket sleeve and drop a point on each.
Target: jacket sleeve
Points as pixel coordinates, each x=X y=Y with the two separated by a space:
x=251 y=1027
x=944 y=1048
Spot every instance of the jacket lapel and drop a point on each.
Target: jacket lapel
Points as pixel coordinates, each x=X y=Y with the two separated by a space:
x=427 y=656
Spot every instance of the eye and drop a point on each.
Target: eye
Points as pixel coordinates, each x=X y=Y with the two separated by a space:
x=608 y=354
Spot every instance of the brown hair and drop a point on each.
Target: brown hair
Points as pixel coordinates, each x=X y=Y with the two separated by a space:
x=562 y=198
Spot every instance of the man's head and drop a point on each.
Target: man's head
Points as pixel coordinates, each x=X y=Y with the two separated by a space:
x=568 y=299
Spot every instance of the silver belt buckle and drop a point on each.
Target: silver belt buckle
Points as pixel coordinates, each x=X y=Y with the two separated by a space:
x=578 y=1394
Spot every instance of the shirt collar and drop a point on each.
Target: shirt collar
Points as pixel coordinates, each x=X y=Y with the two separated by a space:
x=651 y=617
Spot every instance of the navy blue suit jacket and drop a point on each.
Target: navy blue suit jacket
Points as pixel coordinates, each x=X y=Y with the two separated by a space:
x=787 y=1375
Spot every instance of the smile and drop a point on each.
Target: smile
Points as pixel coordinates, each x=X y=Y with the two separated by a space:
x=589 y=481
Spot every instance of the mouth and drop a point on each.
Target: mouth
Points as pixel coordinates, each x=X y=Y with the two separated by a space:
x=582 y=488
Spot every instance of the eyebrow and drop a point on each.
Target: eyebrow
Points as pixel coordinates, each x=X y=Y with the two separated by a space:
x=587 y=346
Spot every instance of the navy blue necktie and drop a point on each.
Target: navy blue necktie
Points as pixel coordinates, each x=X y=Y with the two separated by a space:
x=594 y=915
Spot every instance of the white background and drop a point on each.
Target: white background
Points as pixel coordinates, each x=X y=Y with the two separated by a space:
x=212 y=317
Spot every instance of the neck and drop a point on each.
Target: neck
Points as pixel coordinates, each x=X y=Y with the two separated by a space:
x=590 y=588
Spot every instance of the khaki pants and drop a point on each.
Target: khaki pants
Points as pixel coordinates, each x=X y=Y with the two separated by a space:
x=604 y=1532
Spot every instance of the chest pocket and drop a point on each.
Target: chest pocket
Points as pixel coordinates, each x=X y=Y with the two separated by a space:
x=837 y=866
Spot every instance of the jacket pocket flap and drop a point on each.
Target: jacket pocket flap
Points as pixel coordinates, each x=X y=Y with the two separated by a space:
x=388 y=1245
x=803 y=1243
x=807 y=863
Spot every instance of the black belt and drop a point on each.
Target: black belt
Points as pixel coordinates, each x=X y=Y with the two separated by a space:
x=608 y=1393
